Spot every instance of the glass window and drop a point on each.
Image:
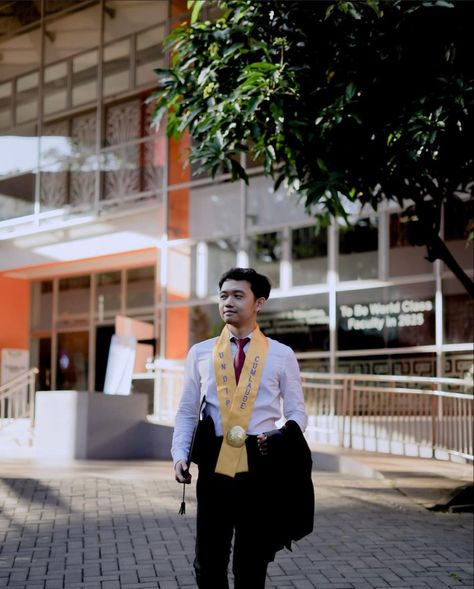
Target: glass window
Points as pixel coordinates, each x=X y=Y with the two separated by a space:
x=265 y=207
x=309 y=250
x=458 y=222
x=214 y=211
x=26 y=100
x=397 y=364
x=264 y=252
x=72 y=368
x=181 y=261
x=117 y=67
x=108 y=295
x=83 y=169
x=19 y=151
x=20 y=53
x=83 y=183
x=404 y=258
x=71 y=33
x=358 y=246
x=124 y=17
x=54 y=191
x=189 y=325
x=17 y=196
x=123 y=122
x=56 y=143
x=221 y=256
x=148 y=55
x=140 y=290
x=55 y=88
x=42 y=305
x=74 y=300
x=204 y=322
x=313 y=365
x=84 y=78
x=459 y=365
x=121 y=172
x=83 y=132
x=121 y=166
x=392 y=317
x=5 y=105
x=458 y=311
x=299 y=322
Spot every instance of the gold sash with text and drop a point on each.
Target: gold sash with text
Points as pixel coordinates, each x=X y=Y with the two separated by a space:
x=236 y=402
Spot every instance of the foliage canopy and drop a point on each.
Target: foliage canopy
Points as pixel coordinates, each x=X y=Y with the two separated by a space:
x=372 y=100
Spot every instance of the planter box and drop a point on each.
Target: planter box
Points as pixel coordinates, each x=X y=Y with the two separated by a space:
x=81 y=425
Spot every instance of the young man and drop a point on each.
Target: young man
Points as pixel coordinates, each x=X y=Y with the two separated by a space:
x=254 y=480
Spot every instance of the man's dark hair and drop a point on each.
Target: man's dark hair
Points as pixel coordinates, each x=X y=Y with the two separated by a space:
x=259 y=283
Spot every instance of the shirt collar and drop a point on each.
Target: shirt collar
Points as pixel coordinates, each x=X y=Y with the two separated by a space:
x=232 y=336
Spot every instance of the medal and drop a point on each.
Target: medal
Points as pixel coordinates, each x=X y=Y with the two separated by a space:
x=236 y=436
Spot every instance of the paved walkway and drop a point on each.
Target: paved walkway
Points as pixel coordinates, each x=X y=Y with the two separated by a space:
x=114 y=525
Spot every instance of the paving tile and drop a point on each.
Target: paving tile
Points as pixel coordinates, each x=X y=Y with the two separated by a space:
x=109 y=533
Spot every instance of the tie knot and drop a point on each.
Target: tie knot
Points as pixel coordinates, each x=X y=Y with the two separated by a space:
x=241 y=343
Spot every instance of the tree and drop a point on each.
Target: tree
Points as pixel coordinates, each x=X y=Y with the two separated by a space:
x=373 y=100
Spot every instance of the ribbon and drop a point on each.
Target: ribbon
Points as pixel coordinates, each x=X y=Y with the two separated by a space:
x=236 y=402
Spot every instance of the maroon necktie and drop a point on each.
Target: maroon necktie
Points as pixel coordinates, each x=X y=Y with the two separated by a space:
x=239 y=358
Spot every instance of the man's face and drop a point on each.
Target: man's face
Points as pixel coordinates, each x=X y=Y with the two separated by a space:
x=237 y=304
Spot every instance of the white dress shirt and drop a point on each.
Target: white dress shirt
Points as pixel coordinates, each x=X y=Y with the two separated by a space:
x=280 y=388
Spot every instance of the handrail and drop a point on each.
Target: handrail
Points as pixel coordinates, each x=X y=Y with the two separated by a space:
x=370 y=412
x=389 y=378
x=17 y=398
x=18 y=379
x=405 y=415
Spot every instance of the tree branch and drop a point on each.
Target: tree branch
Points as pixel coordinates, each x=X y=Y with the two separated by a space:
x=437 y=250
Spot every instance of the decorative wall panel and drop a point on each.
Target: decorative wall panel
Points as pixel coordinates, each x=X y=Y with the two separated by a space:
x=83 y=169
x=121 y=166
x=84 y=130
x=55 y=146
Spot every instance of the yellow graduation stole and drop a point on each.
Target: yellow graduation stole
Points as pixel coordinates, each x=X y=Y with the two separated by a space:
x=236 y=401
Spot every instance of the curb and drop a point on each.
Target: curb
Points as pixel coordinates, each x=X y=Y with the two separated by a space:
x=340 y=463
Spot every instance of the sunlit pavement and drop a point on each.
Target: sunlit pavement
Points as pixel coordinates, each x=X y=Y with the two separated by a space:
x=115 y=525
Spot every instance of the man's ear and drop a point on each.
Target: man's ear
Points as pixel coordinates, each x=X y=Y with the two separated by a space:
x=260 y=302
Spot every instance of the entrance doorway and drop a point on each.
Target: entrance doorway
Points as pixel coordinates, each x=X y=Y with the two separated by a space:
x=103 y=335
x=72 y=367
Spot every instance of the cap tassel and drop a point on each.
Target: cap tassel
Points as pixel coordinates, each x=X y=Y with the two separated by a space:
x=182 y=509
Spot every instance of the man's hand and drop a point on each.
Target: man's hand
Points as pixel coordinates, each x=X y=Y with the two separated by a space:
x=181 y=472
x=269 y=441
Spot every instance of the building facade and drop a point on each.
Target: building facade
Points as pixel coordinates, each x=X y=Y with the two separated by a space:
x=99 y=218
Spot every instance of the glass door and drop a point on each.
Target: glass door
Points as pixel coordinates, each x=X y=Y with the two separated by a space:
x=72 y=364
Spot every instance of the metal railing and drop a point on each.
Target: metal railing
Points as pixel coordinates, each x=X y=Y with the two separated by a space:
x=168 y=385
x=395 y=414
x=405 y=415
x=17 y=398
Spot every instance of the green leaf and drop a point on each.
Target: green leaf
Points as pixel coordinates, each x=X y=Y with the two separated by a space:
x=196 y=6
x=321 y=165
x=261 y=66
x=350 y=90
x=234 y=48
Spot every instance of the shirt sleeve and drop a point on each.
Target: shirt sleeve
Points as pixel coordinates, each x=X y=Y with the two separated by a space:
x=188 y=410
x=292 y=391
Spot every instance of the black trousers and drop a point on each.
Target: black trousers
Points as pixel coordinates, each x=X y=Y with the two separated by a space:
x=240 y=507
